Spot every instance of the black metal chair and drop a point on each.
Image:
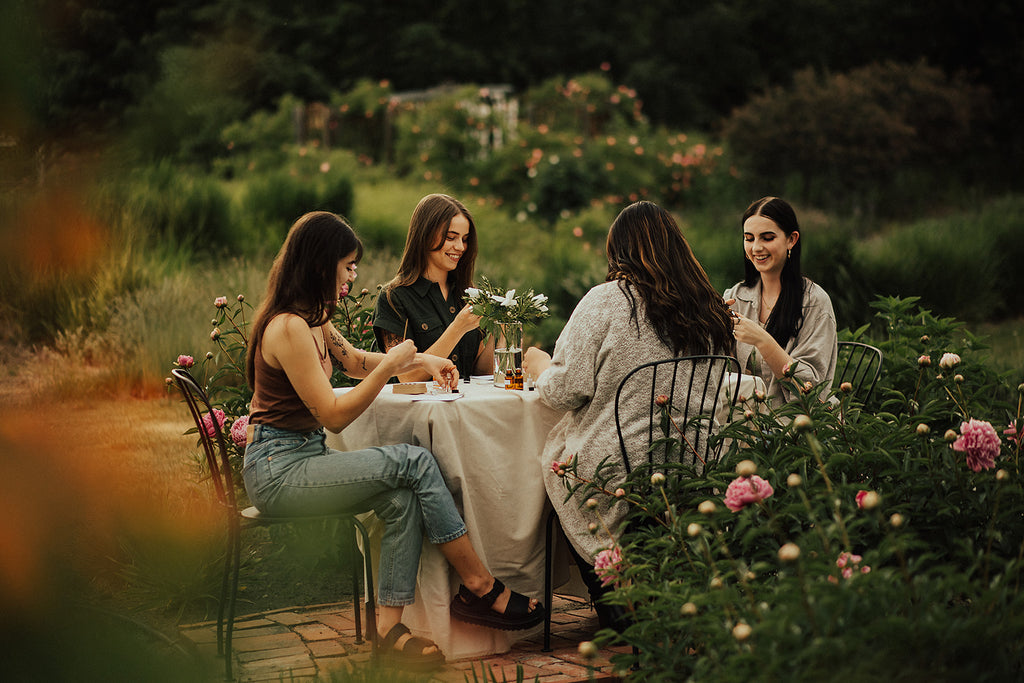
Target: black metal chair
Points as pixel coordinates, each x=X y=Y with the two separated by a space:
x=859 y=364
x=217 y=459
x=695 y=385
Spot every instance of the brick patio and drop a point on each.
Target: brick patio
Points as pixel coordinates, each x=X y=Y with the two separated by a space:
x=310 y=643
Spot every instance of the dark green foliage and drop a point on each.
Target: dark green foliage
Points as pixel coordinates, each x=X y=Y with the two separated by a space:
x=844 y=137
x=934 y=561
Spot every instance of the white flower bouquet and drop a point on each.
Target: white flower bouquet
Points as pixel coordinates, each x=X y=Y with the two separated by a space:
x=498 y=306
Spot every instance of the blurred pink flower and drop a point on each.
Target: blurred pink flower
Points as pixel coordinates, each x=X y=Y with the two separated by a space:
x=208 y=423
x=860 y=498
x=185 y=361
x=848 y=563
x=978 y=439
x=238 y=430
x=220 y=301
x=746 y=490
x=607 y=565
x=344 y=291
x=1012 y=434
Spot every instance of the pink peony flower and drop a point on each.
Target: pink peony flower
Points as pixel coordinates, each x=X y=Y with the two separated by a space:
x=344 y=291
x=238 y=431
x=746 y=490
x=860 y=498
x=924 y=361
x=848 y=563
x=185 y=362
x=607 y=565
x=220 y=302
x=208 y=423
x=978 y=439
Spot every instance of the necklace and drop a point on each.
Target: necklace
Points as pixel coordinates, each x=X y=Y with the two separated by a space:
x=766 y=309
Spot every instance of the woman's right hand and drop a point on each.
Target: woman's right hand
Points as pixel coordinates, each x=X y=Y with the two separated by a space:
x=401 y=356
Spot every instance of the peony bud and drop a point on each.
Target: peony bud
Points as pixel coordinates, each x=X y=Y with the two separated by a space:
x=924 y=361
x=220 y=302
x=869 y=501
x=658 y=479
x=168 y=381
x=794 y=480
x=715 y=582
x=958 y=378
x=694 y=529
x=591 y=503
x=215 y=335
x=950 y=436
x=592 y=527
x=846 y=387
x=746 y=468
x=1001 y=474
x=241 y=298
x=741 y=631
x=896 y=520
x=789 y=552
x=706 y=508
x=587 y=649
x=661 y=400
x=949 y=361
x=802 y=423
x=209 y=355
x=619 y=493
x=688 y=609
x=748 y=415
x=760 y=396
x=923 y=429
x=924 y=339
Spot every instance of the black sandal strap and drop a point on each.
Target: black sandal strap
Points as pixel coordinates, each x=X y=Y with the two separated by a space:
x=416 y=641
x=396 y=632
x=487 y=599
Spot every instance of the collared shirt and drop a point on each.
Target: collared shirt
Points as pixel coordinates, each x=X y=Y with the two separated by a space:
x=420 y=312
x=814 y=346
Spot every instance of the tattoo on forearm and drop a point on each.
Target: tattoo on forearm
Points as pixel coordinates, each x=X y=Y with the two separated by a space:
x=364 y=360
x=339 y=342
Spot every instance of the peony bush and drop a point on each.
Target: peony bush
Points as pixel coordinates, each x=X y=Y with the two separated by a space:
x=838 y=541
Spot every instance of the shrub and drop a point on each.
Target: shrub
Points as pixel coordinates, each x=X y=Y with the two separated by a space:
x=889 y=549
x=844 y=137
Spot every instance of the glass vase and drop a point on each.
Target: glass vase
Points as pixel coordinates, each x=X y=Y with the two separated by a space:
x=508 y=351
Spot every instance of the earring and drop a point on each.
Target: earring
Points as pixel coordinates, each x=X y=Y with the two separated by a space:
x=789 y=253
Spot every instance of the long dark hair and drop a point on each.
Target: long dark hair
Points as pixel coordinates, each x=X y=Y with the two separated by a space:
x=427 y=230
x=304 y=277
x=648 y=254
x=787 y=316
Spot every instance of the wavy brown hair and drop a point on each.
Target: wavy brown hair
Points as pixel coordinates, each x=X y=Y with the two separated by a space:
x=304 y=277
x=649 y=257
x=427 y=229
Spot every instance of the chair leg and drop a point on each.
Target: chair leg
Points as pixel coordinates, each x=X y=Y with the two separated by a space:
x=353 y=548
x=371 y=601
x=549 y=591
x=224 y=581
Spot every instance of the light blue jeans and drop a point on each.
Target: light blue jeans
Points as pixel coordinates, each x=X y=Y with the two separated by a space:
x=292 y=473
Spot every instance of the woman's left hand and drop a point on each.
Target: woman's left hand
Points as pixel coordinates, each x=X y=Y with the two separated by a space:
x=535 y=362
x=747 y=331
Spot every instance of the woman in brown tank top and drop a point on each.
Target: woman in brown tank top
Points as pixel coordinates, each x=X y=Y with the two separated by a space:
x=288 y=468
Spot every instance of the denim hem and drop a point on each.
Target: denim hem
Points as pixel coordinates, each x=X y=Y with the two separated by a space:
x=448 y=538
x=393 y=600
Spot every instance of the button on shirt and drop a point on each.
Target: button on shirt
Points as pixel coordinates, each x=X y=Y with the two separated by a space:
x=420 y=312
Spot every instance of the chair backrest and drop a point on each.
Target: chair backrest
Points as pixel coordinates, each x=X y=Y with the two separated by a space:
x=694 y=387
x=859 y=364
x=214 y=446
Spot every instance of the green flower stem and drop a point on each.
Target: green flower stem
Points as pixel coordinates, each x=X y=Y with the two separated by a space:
x=814 y=521
x=815 y=446
x=804 y=596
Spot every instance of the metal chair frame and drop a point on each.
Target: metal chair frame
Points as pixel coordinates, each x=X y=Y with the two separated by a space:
x=221 y=474
x=859 y=364
x=706 y=383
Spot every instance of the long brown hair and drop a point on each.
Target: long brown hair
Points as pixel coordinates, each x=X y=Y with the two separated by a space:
x=427 y=229
x=304 y=277
x=648 y=255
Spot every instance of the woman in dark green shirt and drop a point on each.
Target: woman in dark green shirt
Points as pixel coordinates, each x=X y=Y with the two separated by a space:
x=424 y=301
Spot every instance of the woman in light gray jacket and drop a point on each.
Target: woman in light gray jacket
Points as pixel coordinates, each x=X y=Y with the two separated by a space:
x=784 y=318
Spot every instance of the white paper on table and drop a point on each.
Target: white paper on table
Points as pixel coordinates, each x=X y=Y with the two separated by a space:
x=437 y=397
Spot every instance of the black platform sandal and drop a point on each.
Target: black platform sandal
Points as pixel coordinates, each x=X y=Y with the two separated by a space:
x=411 y=657
x=478 y=610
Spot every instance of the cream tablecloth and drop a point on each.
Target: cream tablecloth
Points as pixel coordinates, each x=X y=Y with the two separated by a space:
x=488 y=444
